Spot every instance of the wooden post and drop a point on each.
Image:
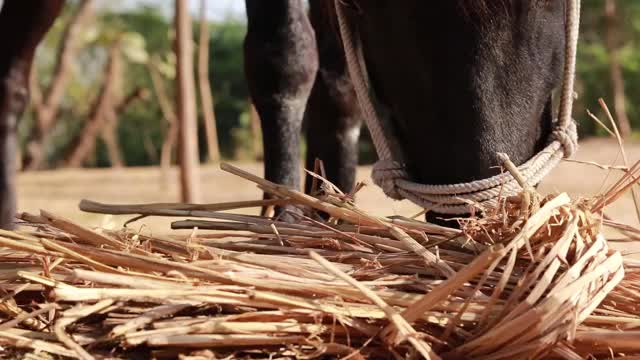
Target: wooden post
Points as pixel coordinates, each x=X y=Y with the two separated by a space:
x=186 y=106
x=206 y=96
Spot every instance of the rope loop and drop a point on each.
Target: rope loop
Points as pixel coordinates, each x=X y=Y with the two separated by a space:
x=386 y=173
x=567 y=137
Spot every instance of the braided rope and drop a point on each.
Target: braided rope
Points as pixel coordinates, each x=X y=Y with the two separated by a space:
x=391 y=174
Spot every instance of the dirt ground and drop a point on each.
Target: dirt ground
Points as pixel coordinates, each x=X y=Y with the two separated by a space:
x=60 y=191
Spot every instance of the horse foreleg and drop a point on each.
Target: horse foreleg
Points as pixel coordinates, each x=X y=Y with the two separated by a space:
x=22 y=26
x=280 y=65
x=332 y=117
x=13 y=99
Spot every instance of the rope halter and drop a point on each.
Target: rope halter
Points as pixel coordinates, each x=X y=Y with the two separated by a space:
x=390 y=173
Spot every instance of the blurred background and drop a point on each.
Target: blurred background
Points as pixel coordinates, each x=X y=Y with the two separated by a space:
x=102 y=120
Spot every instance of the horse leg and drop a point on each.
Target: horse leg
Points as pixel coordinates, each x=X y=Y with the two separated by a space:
x=332 y=119
x=280 y=66
x=22 y=25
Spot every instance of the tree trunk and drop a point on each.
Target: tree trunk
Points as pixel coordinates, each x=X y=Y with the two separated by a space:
x=171 y=134
x=256 y=134
x=205 y=87
x=615 y=69
x=47 y=105
x=149 y=147
x=110 y=137
x=166 y=153
x=186 y=107
x=109 y=131
x=82 y=146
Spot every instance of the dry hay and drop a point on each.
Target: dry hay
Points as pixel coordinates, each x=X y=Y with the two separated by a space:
x=532 y=279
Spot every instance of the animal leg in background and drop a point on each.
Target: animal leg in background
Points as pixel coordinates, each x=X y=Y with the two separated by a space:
x=332 y=118
x=23 y=24
x=281 y=61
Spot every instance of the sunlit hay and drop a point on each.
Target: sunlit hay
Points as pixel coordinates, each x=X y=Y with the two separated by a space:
x=533 y=278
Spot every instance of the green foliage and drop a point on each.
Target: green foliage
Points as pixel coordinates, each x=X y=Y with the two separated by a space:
x=150 y=35
x=228 y=82
x=226 y=72
x=241 y=136
x=593 y=62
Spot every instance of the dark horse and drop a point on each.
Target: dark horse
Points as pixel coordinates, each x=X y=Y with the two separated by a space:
x=463 y=80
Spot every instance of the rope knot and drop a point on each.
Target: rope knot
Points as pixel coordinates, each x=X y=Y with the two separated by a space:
x=567 y=137
x=385 y=173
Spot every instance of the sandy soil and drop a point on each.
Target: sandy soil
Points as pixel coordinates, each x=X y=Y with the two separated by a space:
x=59 y=191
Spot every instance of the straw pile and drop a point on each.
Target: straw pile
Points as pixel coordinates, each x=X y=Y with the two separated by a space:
x=532 y=279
